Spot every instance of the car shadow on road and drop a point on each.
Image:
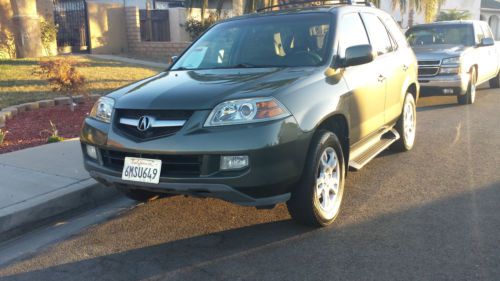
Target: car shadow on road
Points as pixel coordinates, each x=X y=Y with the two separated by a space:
x=455 y=238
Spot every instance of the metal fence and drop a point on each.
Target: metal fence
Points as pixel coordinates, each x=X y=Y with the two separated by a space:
x=71 y=18
x=154 y=25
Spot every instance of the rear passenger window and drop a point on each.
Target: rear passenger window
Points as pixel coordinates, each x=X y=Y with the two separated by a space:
x=352 y=33
x=379 y=38
x=395 y=31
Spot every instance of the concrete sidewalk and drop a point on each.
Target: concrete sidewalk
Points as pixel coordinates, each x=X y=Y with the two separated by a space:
x=42 y=182
x=130 y=60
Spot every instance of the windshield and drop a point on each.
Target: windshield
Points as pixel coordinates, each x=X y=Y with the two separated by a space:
x=271 y=41
x=441 y=34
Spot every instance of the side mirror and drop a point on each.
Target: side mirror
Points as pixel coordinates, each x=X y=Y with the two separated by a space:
x=357 y=55
x=173 y=59
x=487 y=42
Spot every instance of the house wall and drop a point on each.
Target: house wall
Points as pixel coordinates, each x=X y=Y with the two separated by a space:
x=146 y=48
x=107 y=28
x=492 y=17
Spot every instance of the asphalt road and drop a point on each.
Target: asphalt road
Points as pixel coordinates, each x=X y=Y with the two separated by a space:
x=429 y=214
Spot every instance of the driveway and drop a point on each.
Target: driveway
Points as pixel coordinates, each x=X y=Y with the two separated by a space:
x=430 y=214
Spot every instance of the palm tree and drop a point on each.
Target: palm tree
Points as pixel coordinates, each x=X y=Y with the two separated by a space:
x=453 y=14
x=430 y=8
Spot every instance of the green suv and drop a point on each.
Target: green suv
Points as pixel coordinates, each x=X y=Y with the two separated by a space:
x=262 y=109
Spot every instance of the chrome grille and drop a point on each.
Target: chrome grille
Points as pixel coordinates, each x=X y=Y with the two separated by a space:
x=427 y=68
x=164 y=122
x=428 y=71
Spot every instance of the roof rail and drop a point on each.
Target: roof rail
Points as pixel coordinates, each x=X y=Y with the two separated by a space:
x=319 y=3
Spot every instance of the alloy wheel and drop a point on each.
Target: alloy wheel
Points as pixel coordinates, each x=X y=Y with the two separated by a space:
x=327 y=191
x=409 y=123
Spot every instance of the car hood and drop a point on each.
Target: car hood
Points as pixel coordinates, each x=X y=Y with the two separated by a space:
x=438 y=52
x=204 y=89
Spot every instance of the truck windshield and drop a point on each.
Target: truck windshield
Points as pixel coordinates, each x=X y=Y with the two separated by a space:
x=441 y=34
x=270 y=41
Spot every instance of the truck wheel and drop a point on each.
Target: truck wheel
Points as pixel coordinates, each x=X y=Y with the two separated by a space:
x=317 y=198
x=407 y=125
x=470 y=95
x=495 y=81
x=141 y=195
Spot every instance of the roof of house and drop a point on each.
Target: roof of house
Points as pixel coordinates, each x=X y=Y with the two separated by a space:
x=490 y=4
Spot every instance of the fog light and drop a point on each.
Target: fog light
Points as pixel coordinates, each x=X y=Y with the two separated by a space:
x=233 y=162
x=448 y=91
x=91 y=152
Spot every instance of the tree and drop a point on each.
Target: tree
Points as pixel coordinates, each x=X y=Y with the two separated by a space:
x=429 y=7
x=203 y=5
x=453 y=14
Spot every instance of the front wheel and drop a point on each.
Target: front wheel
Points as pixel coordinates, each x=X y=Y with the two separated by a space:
x=470 y=95
x=407 y=125
x=317 y=198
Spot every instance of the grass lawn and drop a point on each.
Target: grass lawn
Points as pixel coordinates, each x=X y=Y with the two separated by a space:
x=19 y=85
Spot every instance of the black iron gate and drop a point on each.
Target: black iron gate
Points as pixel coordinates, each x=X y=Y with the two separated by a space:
x=71 y=18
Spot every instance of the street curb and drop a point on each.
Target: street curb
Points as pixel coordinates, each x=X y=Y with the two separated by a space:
x=29 y=214
x=9 y=112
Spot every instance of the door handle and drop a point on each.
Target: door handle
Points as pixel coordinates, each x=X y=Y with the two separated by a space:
x=405 y=67
x=381 y=78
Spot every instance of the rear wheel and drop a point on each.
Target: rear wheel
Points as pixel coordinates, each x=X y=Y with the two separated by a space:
x=317 y=198
x=495 y=81
x=470 y=95
x=407 y=125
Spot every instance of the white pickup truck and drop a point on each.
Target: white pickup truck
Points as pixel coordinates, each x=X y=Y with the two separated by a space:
x=454 y=57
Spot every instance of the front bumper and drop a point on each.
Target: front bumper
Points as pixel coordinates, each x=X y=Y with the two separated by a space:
x=435 y=85
x=276 y=149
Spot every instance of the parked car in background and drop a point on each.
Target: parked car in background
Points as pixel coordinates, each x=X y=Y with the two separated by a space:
x=454 y=57
x=262 y=109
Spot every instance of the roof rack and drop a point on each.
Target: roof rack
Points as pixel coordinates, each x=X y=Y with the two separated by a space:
x=318 y=3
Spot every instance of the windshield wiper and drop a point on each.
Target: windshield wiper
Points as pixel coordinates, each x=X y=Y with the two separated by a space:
x=181 y=68
x=248 y=65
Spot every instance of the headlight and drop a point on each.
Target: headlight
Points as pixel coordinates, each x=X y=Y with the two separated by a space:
x=455 y=60
x=103 y=109
x=449 y=70
x=246 y=111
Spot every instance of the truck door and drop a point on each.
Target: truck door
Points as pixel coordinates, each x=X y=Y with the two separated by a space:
x=393 y=65
x=367 y=88
x=489 y=53
x=483 y=55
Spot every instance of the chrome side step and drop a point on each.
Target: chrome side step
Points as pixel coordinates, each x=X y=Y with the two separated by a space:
x=366 y=156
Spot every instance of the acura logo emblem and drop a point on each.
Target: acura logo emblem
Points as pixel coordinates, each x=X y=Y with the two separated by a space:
x=144 y=123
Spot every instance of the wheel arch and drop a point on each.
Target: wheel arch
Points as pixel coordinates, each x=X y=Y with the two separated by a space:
x=413 y=89
x=338 y=124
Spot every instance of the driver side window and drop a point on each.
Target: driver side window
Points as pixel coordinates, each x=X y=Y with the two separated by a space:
x=352 y=33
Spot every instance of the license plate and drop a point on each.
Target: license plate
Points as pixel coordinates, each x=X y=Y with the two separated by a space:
x=141 y=170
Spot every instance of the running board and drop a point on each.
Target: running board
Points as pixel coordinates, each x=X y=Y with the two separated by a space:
x=385 y=141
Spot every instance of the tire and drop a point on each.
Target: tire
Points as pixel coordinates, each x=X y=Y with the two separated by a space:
x=495 y=82
x=470 y=95
x=406 y=125
x=313 y=203
x=141 y=195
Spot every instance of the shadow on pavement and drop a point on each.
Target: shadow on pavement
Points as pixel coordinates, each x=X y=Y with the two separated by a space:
x=454 y=238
